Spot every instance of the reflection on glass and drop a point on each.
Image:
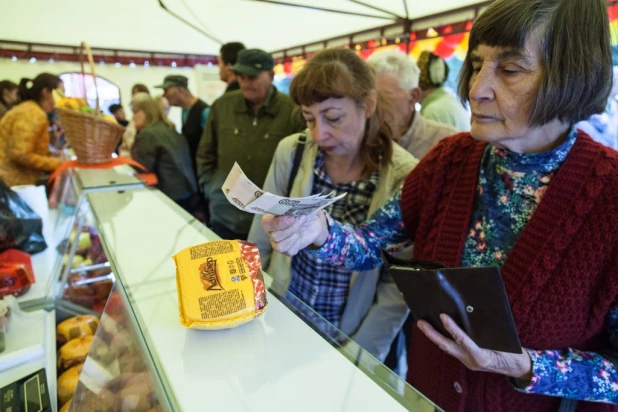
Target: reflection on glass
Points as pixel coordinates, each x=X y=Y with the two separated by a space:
x=398 y=388
x=116 y=376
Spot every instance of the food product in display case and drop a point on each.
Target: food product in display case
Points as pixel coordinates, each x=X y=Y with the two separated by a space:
x=112 y=303
x=73 y=352
x=88 y=290
x=136 y=391
x=75 y=327
x=87 y=286
x=220 y=284
x=115 y=376
x=67 y=382
x=65 y=407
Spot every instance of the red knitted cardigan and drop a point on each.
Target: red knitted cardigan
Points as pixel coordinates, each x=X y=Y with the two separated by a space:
x=561 y=276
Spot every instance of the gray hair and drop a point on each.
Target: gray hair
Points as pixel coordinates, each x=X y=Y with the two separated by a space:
x=399 y=64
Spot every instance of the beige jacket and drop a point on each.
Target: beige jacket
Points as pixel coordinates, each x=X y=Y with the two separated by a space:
x=375 y=310
x=424 y=134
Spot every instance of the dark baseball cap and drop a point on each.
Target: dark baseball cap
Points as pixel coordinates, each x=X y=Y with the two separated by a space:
x=252 y=62
x=174 y=80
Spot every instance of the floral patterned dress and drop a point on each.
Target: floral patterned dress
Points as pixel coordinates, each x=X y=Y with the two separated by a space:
x=509 y=189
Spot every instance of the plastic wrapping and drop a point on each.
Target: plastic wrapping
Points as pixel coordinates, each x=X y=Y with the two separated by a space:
x=220 y=284
x=20 y=227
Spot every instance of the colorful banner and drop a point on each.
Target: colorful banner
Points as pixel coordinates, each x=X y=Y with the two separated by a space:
x=452 y=48
x=613 y=27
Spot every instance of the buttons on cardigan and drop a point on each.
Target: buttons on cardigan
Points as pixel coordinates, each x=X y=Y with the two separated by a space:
x=457 y=387
x=469 y=309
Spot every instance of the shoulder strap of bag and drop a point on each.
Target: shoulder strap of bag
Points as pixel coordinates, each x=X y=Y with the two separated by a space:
x=298 y=155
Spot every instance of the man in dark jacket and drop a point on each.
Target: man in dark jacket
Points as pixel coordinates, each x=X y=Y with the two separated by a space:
x=244 y=126
x=228 y=54
x=194 y=111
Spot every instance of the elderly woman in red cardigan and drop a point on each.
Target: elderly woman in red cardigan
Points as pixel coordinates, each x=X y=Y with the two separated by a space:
x=524 y=191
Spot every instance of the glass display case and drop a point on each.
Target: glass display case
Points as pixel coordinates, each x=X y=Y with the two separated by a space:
x=278 y=362
x=73 y=277
x=116 y=375
x=114 y=261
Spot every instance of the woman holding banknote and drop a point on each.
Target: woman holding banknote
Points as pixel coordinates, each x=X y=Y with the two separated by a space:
x=347 y=148
x=525 y=191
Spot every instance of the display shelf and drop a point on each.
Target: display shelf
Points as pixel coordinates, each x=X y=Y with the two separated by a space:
x=55 y=229
x=57 y=225
x=117 y=368
x=119 y=177
x=277 y=362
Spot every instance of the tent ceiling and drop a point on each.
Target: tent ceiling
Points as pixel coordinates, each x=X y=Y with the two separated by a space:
x=144 y=25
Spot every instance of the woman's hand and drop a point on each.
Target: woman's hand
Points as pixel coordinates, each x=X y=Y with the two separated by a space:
x=518 y=366
x=289 y=235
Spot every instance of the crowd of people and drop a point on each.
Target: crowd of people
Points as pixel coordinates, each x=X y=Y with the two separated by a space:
x=496 y=174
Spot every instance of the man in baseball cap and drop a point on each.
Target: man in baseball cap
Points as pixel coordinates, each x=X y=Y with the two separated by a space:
x=246 y=126
x=194 y=111
x=254 y=71
x=174 y=81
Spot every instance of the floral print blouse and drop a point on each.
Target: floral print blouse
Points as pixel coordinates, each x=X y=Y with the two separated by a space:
x=509 y=189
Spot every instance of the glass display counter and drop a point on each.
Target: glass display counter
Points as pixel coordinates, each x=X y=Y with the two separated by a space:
x=143 y=357
x=118 y=241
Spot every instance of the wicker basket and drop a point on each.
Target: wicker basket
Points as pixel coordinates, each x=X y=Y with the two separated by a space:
x=92 y=138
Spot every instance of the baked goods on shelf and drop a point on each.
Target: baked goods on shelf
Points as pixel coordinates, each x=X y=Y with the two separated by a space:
x=72 y=328
x=67 y=382
x=74 y=352
x=65 y=407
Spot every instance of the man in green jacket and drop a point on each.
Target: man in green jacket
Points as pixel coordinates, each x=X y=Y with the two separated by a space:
x=244 y=126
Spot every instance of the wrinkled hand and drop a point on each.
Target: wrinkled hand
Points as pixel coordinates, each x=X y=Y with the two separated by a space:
x=289 y=235
x=518 y=366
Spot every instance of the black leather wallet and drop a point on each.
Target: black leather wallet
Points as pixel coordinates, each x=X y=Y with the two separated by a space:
x=475 y=298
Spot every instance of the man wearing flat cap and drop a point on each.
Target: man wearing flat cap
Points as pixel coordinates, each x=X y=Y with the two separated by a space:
x=244 y=126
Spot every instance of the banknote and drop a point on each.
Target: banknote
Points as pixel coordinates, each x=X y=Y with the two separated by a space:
x=245 y=195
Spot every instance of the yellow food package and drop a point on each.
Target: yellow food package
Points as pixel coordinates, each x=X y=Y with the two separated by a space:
x=220 y=284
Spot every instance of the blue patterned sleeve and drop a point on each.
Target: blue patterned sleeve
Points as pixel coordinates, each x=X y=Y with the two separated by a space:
x=359 y=247
x=575 y=374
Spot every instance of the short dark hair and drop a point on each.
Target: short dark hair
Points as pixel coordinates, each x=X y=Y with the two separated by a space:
x=114 y=108
x=575 y=43
x=229 y=52
x=44 y=81
x=6 y=85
